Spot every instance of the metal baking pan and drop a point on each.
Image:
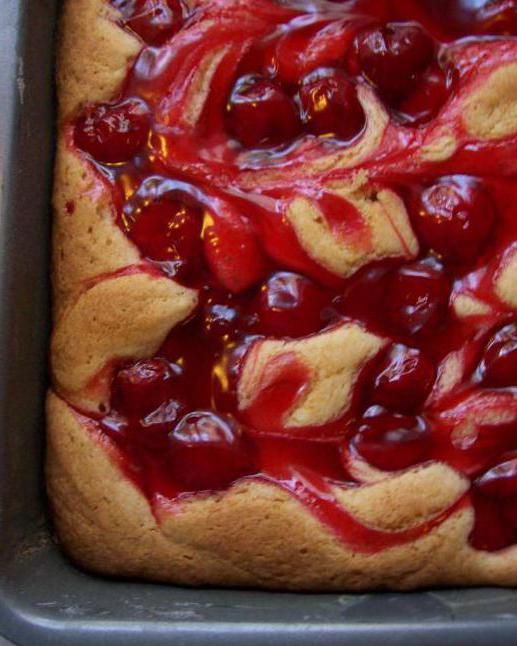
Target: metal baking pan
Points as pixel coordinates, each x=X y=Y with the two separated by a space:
x=44 y=599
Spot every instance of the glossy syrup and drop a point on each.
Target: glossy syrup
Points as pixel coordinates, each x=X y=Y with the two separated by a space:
x=208 y=212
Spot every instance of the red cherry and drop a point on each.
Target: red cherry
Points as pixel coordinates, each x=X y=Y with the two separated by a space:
x=391 y=57
x=260 y=113
x=392 y=442
x=155 y=21
x=208 y=451
x=497 y=17
x=142 y=387
x=500 y=481
x=330 y=105
x=491 y=530
x=417 y=297
x=454 y=217
x=115 y=133
x=404 y=379
x=153 y=428
x=498 y=368
x=427 y=97
x=169 y=231
x=509 y=512
x=220 y=316
x=302 y=50
x=290 y=305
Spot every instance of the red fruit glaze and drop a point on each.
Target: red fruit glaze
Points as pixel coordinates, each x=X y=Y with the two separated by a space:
x=491 y=530
x=500 y=481
x=330 y=105
x=155 y=21
x=427 y=97
x=417 y=297
x=113 y=133
x=498 y=367
x=392 y=442
x=140 y=388
x=289 y=305
x=208 y=451
x=497 y=17
x=261 y=114
x=393 y=56
x=302 y=50
x=170 y=232
x=454 y=217
x=203 y=188
x=404 y=379
x=221 y=316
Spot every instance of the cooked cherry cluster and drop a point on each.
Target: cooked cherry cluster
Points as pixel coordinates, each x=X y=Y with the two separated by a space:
x=274 y=105
x=182 y=405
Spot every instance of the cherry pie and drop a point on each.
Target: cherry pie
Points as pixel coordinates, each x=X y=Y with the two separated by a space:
x=285 y=279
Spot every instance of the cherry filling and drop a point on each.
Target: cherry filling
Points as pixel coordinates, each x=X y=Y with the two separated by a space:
x=330 y=105
x=169 y=231
x=155 y=21
x=496 y=497
x=392 y=442
x=393 y=57
x=208 y=451
x=183 y=176
x=498 y=367
x=454 y=217
x=260 y=113
x=404 y=379
x=427 y=97
x=417 y=297
x=113 y=133
x=290 y=305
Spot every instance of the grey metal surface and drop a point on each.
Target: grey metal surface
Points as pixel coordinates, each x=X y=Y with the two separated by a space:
x=43 y=598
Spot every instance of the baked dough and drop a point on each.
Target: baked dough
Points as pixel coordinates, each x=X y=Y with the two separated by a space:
x=408 y=528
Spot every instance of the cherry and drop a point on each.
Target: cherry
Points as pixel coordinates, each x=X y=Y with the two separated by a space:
x=391 y=57
x=509 y=511
x=477 y=428
x=289 y=305
x=498 y=367
x=427 y=97
x=491 y=530
x=330 y=105
x=302 y=50
x=500 y=481
x=220 y=316
x=392 y=442
x=155 y=21
x=454 y=217
x=495 y=503
x=169 y=231
x=113 y=133
x=226 y=374
x=153 y=428
x=417 y=297
x=404 y=379
x=498 y=17
x=261 y=114
x=208 y=451
x=140 y=388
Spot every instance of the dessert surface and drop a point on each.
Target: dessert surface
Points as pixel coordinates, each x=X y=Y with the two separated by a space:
x=285 y=277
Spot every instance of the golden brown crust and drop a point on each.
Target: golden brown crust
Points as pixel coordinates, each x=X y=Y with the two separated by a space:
x=106 y=324
x=94 y=54
x=238 y=537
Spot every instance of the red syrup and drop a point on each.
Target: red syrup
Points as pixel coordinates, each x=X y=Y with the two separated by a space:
x=204 y=197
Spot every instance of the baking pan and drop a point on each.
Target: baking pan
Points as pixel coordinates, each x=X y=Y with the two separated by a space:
x=44 y=599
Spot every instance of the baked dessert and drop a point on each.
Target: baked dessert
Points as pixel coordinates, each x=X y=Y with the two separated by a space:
x=285 y=290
